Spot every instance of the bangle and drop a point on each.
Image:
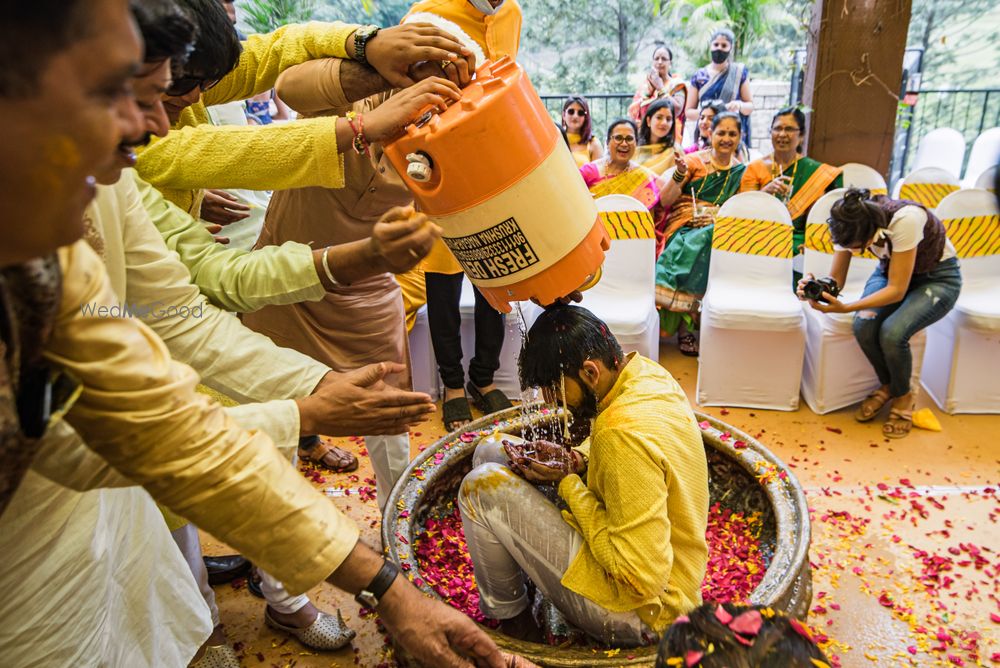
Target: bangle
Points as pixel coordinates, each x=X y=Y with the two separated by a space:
x=360 y=143
x=326 y=268
x=678 y=177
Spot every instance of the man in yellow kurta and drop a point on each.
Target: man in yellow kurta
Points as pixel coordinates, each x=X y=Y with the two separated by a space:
x=629 y=554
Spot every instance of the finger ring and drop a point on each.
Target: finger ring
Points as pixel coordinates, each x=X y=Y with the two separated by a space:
x=445 y=63
x=414 y=254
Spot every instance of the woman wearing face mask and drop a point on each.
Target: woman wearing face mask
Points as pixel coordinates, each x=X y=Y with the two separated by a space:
x=702 y=182
x=618 y=174
x=725 y=80
x=583 y=144
x=660 y=84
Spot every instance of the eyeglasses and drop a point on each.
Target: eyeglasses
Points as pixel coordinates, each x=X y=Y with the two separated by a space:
x=786 y=130
x=575 y=112
x=184 y=85
x=623 y=139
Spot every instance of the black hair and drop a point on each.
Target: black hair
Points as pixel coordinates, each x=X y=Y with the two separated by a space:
x=586 y=130
x=217 y=49
x=717 y=107
x=662 y=45
x=723 y=115
x=167 y=31
x=727 y=33
x=622 y=121
x=780 y=642
x=800 y=120
x=854 y=219
x=560 y=341
x=646 y=133
x=32 y=32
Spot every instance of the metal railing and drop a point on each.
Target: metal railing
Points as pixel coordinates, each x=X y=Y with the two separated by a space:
x=970 y=111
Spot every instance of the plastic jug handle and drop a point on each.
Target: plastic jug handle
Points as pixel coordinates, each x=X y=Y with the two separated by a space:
x=593 y=280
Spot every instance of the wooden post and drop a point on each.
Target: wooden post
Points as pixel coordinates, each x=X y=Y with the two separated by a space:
x=852 y=81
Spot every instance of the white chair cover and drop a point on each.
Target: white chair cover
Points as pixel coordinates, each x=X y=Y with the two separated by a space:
x=927 y=186
x=983 y=155
x=423 y=364
x=943 y=148
x=752 y=325
x=987 y=180
x=836 y=373
x=625 y=296
x=857 y=175
x=962 y=364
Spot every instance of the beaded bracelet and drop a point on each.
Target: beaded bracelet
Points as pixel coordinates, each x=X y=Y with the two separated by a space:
x=359 y=143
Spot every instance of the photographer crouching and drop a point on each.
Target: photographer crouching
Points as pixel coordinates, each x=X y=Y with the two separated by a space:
x=916 y=283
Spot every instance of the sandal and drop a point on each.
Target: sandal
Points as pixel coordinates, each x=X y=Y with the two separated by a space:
x=455 y=413
x=488 y=403
x=688 y=344
x=329 y=456
x=328 y=632
x=872 y=405
x=899 y=424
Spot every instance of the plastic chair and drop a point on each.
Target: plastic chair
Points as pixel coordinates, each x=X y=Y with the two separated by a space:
x=752 y=325
x=961 y=366
x=983 y=155
x=943 y=148
x=836 y=373
x=625 y=296
x=987 y=180
x=928 y=186
x=857 y=175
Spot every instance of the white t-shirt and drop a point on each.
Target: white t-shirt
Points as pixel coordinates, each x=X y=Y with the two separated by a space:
x=905 y=232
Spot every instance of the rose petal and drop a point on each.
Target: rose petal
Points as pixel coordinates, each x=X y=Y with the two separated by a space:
x=748 y=623
x=723 y=615
x=692 y=657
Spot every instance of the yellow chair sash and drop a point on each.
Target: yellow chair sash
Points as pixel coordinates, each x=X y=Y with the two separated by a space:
x=753 y=237
x=818 y=239
x=628 y=224
x=975 y=236
x=928 y=194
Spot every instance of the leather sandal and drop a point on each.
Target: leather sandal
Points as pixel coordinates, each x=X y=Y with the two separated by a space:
x=899 y=424
x=225 y=568
x=328 y=632
x=872 y=405
x=688 y=344
x=488 y=403
x=455 y=413
x=320 y=455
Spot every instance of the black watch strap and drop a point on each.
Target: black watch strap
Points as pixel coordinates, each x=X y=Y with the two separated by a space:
x=380 y=584
x=362 y=36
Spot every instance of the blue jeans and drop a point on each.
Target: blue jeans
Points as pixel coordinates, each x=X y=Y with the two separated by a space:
x=884 y=333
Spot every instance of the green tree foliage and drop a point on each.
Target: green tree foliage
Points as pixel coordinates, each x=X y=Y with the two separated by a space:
x=378 y=12
x=960 y=40
x=267 y=15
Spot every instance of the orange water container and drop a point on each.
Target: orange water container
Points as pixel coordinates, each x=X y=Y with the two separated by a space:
x=494 y=172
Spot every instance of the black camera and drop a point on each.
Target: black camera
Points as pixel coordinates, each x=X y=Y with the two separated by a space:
x=815 y=287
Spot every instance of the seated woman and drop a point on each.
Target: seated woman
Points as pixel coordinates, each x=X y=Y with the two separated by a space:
x=720 y=635
x=916 y=283
x=657 y=138
x=702 y=182
x=629 y=553
x=703 y=132
x=660 y=84
x=618 y=174
x=584 y=146
x=789 y=175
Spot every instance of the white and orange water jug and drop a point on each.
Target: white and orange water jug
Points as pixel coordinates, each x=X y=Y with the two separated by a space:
x=494 y=172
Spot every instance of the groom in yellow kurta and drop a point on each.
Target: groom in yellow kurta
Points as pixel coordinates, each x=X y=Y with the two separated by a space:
x=629 y=554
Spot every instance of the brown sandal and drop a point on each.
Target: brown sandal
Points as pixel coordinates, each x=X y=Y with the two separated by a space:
x=688 y=344
x=899 y=424
x=342 y=460
x=872 y=405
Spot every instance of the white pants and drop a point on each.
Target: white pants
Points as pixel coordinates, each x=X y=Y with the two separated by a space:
x=277 y=597
x=390 y=455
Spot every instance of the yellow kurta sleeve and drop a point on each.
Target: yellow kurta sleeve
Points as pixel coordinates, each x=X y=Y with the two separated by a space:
x=234 y=279
x=630 y=539
x=139 y=410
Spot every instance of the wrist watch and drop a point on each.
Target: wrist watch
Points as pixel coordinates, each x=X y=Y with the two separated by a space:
x=370 y=596
x=362 y=36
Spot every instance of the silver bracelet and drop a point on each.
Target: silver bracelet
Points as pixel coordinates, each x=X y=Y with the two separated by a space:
x=326 y=267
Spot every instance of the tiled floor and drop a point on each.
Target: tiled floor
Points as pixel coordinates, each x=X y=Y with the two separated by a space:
x=891 y=520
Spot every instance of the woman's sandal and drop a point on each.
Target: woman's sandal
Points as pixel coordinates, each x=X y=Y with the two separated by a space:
x=688 y=344
x=872 y=405
x=488 y=403
x=899 y=424
x=330 y=456
x=455 y=413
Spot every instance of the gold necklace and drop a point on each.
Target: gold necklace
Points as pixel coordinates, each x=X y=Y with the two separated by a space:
x=725 y=184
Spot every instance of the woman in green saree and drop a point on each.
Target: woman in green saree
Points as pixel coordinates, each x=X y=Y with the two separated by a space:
x=702 y=182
